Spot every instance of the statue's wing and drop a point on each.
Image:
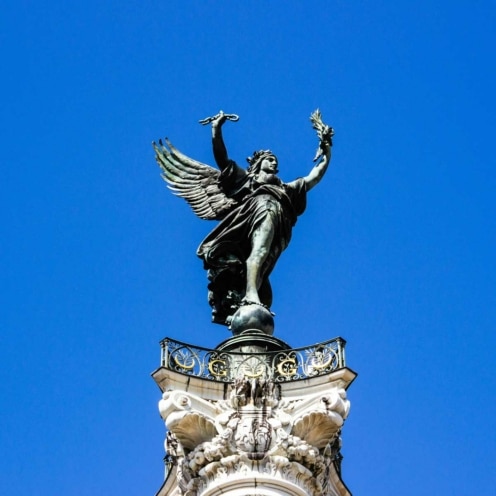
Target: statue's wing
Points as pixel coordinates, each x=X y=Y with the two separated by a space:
x=197 y=183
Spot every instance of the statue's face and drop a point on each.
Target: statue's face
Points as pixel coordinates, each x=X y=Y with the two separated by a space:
x=269 y=165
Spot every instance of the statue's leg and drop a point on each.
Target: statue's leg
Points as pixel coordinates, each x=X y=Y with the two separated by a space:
x=261 y=242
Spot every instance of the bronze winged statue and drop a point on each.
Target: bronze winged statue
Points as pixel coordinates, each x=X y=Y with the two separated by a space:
x=255 y=209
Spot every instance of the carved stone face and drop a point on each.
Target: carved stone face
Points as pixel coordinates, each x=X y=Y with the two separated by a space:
x=269 y=165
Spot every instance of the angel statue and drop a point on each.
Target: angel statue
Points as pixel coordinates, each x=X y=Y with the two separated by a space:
x=256 y=213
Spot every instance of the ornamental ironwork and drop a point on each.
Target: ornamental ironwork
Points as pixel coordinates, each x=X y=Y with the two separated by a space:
x=280 y=366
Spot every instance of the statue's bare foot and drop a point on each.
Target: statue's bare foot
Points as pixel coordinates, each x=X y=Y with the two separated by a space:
x=251 y=298
x=245 y=301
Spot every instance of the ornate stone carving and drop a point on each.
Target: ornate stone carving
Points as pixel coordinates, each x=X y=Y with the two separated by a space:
x=257 y=433
x=255 y=392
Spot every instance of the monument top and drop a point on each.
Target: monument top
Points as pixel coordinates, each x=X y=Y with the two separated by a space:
x=256 y=213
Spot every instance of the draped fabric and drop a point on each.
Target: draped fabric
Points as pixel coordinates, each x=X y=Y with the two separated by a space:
x=225 y=250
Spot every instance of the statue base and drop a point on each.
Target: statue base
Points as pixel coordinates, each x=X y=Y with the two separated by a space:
x=252 y=317
x=252 y=341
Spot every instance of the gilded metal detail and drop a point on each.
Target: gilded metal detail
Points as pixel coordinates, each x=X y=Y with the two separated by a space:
x=259 y=373
x=278 y=366
x=217 y=367
x=184 y=365
x=287 y=367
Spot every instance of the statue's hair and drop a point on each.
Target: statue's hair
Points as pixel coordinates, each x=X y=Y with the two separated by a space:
x=255 y=161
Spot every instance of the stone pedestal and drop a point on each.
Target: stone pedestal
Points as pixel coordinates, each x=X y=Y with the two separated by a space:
x=274 y=430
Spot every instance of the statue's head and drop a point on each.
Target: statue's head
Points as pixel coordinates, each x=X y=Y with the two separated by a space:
x=262 y=160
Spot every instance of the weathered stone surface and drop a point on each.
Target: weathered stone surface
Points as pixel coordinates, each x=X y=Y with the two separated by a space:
x=255 y=435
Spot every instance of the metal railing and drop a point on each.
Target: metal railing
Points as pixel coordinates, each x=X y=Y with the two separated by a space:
x=279 y=366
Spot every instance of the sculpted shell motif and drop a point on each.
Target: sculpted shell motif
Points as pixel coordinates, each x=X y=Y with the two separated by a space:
x=318 y=428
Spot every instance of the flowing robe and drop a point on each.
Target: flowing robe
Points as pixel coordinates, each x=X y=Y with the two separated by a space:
x=225 y=250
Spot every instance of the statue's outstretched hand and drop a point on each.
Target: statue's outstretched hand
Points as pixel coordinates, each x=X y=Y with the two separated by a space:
x=324 y=133
x=219 y=119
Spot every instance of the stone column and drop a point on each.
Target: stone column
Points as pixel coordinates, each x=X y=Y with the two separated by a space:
x=254 y=435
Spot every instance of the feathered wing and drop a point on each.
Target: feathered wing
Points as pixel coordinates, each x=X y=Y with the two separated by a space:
x=197 y=183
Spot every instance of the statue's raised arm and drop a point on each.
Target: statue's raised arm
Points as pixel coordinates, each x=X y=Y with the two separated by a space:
x=323 y=154
x=257 y=212
x=219 y=148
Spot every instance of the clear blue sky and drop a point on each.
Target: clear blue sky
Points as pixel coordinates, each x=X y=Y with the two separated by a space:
x=396 y=252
